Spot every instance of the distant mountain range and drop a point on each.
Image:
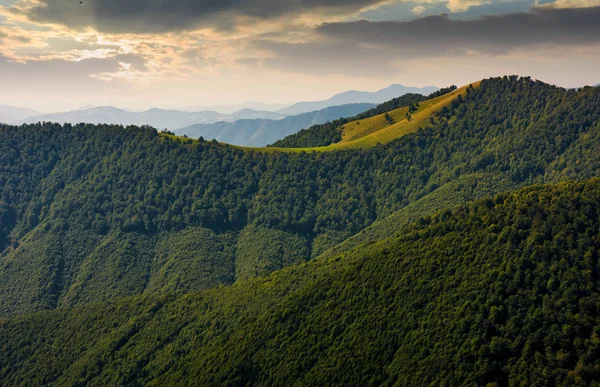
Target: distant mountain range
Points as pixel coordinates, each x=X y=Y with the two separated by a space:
x=261 y=132
x=9 y=114
x=344 y=98
x=258 y=128
x=158 y=118
x=230 y=109
x=347 y=97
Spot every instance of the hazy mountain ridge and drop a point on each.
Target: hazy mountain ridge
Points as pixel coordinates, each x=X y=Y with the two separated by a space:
x=158 y=118
x=9 y=114
x=232 y=108
x=261 y=132
x=354 y=96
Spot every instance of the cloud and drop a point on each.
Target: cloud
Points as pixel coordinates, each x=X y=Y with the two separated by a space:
x=326 y=58
x=55 y=77
x=463 y=5
x=138 y=47
x=380 y=49
x=452 y=5
x=56 y=69
x=418 y=10
x=157 y=16
x=135 y=61
x=558 y=4
x=439 y=35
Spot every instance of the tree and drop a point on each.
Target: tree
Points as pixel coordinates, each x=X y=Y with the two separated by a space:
x=389 y=118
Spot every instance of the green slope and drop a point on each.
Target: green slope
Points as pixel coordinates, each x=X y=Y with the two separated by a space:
x=385 y=127
x=464 y=189
x=379 y=130
x=90 y=213
x=328 y=133
x=261 y=251
x=500 y=292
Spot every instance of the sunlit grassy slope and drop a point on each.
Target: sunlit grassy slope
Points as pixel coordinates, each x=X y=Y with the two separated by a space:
x=375 y=130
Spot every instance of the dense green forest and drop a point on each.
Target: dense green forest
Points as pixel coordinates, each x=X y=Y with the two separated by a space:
x=330 y=133
x=503 y=291
x=93 y=212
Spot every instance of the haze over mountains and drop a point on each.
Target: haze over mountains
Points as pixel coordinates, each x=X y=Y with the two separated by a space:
x=158 y=118
x=261 y=132
x=9 y=114
x=232 y=108
x=239 y=124
x=354 y=96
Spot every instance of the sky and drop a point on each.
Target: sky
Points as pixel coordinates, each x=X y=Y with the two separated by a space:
x=58 y=55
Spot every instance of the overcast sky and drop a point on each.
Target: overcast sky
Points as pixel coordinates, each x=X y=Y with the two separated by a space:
x=60 y=54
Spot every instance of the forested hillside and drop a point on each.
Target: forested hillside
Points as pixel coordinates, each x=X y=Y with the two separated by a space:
x=92 y=213
x=500 y=292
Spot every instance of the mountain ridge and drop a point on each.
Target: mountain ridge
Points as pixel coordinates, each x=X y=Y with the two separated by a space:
x=10 y=113
x=354 y=96
x=159 y=118
x=261 y=132
x=232 y=108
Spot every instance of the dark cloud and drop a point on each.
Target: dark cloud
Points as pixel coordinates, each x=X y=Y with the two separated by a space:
x=380 y=48
x=155 y=16
x=440 y=35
